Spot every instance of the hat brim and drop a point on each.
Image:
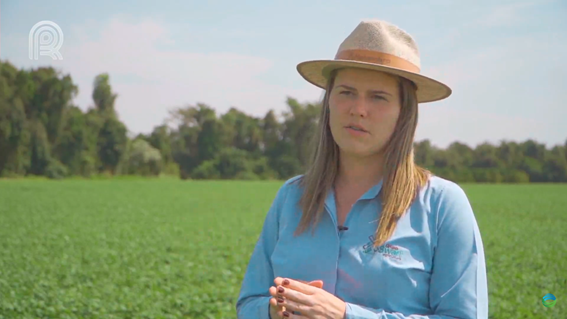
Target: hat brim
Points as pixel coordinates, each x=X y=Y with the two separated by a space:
x=316 y=72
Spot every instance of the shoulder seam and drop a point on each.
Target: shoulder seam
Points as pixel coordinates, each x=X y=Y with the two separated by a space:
x=284 y=193
x=439 y=193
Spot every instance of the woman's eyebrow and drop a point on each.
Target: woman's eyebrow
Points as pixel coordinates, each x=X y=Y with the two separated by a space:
x=372 y=91
x=346 y=87
x=380 y=92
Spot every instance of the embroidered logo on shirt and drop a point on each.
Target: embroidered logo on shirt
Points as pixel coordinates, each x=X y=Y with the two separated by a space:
x=387 y=250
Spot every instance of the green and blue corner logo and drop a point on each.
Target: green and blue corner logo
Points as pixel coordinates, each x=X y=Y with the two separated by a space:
x=548 y=300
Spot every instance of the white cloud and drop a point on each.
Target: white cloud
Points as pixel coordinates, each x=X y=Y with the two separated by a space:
x=510 y=14
x=151 y=79
x=501 y=92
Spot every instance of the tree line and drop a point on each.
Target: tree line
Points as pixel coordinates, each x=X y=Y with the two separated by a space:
x=42 y=133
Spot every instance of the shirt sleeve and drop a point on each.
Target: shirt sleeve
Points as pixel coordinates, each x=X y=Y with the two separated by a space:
x=458 y=287
x=354 y=311
x=254 y=297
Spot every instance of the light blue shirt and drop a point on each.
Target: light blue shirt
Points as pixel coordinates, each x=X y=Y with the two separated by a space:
x=432 y=267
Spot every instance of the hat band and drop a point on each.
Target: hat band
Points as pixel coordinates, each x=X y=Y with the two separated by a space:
x=369 y=56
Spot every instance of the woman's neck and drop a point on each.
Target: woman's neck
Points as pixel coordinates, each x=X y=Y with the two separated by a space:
x=357 y=172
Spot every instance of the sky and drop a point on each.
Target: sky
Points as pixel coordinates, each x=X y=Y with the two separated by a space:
x=504 y=60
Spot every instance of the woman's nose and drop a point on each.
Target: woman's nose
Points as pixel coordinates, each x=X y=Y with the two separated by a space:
x=358 y=108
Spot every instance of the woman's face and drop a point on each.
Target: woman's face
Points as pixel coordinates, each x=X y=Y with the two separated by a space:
x=366 y=99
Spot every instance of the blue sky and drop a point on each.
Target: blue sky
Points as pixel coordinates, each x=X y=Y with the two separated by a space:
x=505 y=60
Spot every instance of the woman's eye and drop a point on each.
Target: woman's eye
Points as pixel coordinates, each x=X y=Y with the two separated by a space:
x=346 y=92
x=379 y=97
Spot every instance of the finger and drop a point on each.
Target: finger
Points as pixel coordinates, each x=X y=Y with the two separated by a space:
x=290 y=315
x=278 y=281
x=294 y=307
x=273 y=291
x=296 y=285
x=294 y=295
x=314 y=283
x=279 y=309
x=277 y=302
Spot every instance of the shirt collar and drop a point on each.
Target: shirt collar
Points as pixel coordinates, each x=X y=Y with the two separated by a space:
x=370 y=194
x=373 y=191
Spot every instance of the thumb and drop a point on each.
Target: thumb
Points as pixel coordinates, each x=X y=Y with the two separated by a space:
x=316 y=283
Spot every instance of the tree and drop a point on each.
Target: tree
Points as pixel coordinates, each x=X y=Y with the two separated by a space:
x=161 y=140
x=103 y=97
x=14 y=134
x=144 y=159
x=43 y=133
x=111 y=144
x=112 y=139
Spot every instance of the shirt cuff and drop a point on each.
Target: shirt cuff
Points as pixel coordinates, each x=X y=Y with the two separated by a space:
x=354 y=311
x=267 y=309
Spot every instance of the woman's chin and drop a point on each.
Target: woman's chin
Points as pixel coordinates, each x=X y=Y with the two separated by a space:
x=357 y=151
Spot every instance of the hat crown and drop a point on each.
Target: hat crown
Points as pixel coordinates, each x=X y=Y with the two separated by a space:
x=378 y=46
x=381 y=36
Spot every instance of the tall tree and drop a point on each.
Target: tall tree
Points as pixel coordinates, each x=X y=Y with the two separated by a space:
x=161 y=140
x=423 y=153
x=51 y=99
x=271 y=132
x=300 y=123
x=189 y=122
x=112 y=141
x=112 y=135
x=242 y=131
x=15 y=89
x=210 y=140
x=103 y=97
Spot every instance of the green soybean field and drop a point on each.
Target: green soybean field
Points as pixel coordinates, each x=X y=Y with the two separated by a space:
x=166 y=248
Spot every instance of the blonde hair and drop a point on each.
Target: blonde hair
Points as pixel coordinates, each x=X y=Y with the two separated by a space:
x=402 y=177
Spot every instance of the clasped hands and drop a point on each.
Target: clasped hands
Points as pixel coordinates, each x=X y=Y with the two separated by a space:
x=306 y=299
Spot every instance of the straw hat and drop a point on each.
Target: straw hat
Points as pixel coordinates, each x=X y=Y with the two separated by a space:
x=378 y=45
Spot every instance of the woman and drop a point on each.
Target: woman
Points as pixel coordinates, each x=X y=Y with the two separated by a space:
x=365 y=232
